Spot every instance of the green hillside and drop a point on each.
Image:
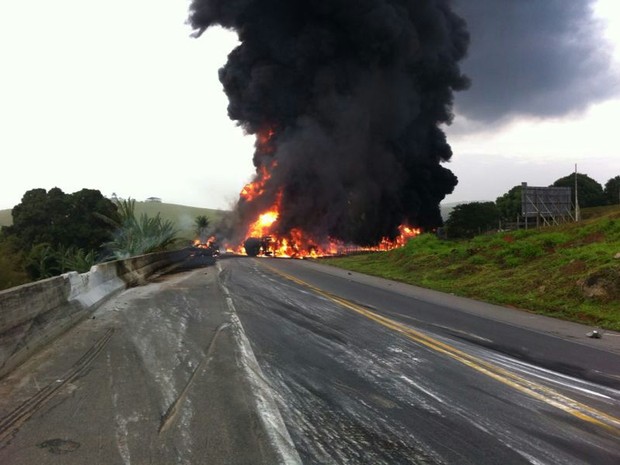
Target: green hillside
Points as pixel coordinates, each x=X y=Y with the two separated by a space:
x=5 y=218
x=570 y=271
x=182 y=216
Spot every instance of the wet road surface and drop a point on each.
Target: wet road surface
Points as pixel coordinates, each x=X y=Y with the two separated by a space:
x=258 y=361
x=360 y=383
x=153 y=378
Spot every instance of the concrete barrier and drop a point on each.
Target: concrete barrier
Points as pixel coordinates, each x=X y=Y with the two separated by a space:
x=32 y=315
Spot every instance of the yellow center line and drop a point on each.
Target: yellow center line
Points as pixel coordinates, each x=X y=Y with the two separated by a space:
x=528 y=387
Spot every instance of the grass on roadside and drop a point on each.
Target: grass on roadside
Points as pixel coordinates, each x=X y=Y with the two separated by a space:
x=568 y=271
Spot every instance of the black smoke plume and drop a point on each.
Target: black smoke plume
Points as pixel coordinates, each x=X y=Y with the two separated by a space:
x=346 y=99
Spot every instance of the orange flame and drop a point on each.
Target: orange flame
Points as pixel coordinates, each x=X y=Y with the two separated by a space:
x=296 y=243
x=264 y=137
x=262 y=225
x=405 y=233
x=263 y=140
x=204 y=245
x=255 y=189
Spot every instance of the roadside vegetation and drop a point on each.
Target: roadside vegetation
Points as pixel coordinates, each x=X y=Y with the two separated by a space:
x=51 y=232
x=465 y=220
x=134 y=235
x=571 y=271
x=182 y=216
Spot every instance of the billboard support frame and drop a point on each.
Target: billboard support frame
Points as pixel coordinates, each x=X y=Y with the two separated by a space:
x=551 y=205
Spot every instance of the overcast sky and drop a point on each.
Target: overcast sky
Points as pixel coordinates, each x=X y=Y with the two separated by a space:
x=117 y=96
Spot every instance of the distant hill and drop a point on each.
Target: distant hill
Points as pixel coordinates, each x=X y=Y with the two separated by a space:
x=5 y=218
x=181 y=215
x=446 y=208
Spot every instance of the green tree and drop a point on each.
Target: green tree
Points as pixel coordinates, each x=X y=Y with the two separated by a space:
x=60 y=232
x=44 y=261
x=612 y=191
x=74 y=259
x=590 y=191
x=202 y=224
x=34 y=218
x=137 y=236
x=84 y=227
x=469 y=219
x=509 y=204
x=12 y=272
x=41 y=262
x=59 y=219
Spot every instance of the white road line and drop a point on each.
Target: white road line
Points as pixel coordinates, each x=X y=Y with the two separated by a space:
x=120 y=431
x=266 y=405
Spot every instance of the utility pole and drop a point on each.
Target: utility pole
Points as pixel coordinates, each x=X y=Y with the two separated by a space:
x=577 y=212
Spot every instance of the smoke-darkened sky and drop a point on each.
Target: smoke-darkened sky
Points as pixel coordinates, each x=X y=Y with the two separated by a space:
x=543 y=58
x=544 y=95
x=123 y=100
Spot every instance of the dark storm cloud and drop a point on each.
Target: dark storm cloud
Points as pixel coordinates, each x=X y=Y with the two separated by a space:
x=543 y=58
x=355 y=92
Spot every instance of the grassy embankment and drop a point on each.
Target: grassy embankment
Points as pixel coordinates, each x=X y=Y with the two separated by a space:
x=568 y=271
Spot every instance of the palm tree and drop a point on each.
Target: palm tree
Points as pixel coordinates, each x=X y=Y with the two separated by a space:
x=202 y=223
x=41 y=262
x=138 y=236
x=75 y=259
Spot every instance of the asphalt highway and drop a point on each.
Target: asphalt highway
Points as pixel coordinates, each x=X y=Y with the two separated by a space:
x=370 y=373
x=268 y=361
x=152 y=378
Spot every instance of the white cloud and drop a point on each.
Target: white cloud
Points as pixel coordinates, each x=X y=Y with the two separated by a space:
x=609 y=11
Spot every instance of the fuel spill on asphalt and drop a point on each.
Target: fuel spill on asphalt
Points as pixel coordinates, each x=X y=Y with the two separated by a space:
x=355 y=386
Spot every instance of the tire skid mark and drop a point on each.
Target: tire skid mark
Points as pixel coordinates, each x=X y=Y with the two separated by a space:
x=10 y=424
x=169 y=417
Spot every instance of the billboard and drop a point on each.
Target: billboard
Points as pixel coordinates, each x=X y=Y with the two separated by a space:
x=546 y=202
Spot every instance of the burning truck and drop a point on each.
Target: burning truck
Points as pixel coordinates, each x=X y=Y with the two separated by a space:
x=255 y=246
